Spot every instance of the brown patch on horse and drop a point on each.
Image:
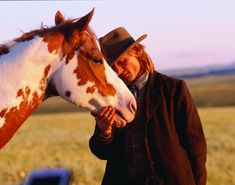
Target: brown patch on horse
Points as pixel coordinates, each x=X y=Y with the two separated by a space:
x=64 y=42
x=90 y=89
x=95 y=72
x=3 y=49
x=3 y=112
x=44 y=79
x=23 y=93
x=16 y=115
x=46 y=71
x=54 y=41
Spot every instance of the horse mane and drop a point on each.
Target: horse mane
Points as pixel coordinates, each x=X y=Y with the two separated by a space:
x=44 y=30
x=4 y=48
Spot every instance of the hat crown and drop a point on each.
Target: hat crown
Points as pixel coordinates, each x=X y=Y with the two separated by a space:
x=116 y=43
x=116 y=36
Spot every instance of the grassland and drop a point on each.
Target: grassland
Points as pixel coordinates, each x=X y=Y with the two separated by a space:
x=213 y=90
x=60 y=137
x=52 y=140
x=61 y=140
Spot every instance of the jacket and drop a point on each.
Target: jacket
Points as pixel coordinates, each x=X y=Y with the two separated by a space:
x=174 y=137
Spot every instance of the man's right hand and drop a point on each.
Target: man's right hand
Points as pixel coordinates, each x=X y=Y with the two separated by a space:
x=105 y=120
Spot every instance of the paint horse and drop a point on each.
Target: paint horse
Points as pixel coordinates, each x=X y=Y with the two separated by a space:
x=63 y=60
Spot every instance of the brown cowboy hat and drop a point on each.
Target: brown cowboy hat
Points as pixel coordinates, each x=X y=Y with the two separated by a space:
x=117 y=42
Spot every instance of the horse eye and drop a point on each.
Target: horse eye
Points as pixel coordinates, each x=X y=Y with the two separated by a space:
x=98 y=61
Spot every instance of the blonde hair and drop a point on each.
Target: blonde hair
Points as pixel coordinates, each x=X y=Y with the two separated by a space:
x=144 y=59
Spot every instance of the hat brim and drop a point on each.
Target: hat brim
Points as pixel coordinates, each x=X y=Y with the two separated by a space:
x=128 y=49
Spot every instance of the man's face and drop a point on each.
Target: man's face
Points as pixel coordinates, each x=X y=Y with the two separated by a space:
x=127 y=67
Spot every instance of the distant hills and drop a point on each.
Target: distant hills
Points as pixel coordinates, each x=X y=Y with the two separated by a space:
x=210 y=86
x=216 y=70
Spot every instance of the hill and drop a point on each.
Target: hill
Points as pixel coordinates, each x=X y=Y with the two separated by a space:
x=215 y=70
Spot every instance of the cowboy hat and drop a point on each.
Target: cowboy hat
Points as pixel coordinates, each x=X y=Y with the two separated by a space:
x=117 y=42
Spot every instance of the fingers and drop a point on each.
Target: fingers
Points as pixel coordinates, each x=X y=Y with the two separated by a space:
x=105 y=119
x=119 y=122
x=105 y=115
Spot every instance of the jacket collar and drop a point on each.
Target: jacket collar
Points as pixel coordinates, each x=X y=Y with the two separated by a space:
x=153 y=94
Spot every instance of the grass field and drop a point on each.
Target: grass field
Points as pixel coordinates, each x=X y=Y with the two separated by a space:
x=213 y=90
x=61 y=140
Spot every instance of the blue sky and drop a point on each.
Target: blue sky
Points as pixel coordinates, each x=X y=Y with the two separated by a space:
x=181 y=34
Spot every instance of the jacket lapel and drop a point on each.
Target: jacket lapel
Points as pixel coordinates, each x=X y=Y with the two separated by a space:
x=153 y=94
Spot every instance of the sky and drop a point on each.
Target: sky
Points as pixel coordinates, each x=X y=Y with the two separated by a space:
x=181 y=34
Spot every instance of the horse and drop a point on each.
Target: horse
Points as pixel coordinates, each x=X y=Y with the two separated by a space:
x=63 y=60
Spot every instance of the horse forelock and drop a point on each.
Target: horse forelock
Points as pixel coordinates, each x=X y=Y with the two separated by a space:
x=93 y=36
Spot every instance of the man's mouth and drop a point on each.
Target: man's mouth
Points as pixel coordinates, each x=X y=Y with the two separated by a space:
x=124 y=75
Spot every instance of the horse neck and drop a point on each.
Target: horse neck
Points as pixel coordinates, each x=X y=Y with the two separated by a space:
x=24 y=72
x=28 y=64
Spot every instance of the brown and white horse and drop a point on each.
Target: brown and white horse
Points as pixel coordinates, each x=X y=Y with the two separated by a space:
x=63 y=60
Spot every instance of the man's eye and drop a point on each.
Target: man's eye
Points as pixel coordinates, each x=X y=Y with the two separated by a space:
x=98 y=61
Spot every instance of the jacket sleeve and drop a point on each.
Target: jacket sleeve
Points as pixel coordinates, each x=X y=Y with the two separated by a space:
x=100 y=146
x=190 y=131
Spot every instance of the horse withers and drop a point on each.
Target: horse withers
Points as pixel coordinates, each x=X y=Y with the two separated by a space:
x=63 y=60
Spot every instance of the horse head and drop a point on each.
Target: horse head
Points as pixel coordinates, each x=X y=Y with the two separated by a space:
x=84 y=78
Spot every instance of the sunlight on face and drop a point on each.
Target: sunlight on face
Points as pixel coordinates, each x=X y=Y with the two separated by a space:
x=127 y=67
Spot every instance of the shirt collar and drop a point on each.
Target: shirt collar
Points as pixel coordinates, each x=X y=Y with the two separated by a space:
x=141 y=81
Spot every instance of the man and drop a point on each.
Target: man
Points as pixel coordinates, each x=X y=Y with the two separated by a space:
x=165 y=143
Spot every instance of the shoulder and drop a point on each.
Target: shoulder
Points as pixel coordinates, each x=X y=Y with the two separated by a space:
x=168 y=82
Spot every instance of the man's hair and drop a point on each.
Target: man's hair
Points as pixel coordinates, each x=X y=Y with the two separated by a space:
x=143 y=57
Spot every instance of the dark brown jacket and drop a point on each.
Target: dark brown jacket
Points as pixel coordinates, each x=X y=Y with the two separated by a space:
x=174 y=135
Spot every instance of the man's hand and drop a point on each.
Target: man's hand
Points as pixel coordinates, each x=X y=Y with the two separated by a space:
x=106 y=119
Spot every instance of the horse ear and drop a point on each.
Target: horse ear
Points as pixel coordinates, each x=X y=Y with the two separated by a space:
x=59 y=18
x=83 y=22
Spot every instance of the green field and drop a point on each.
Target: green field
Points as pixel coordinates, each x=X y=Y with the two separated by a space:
x=60 y=137
x=61 y=140
x=213 y=90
